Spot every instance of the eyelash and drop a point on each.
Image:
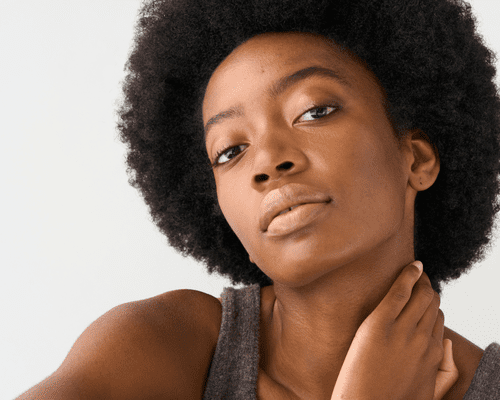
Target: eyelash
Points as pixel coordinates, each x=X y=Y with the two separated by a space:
x=225 y=150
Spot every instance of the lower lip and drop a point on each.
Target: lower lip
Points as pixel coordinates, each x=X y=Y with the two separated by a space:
x=296 y=219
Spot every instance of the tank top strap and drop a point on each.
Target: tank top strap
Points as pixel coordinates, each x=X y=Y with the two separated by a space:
x=234 y=368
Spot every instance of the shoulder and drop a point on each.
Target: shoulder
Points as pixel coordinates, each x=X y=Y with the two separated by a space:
x=157 y=346
x=191 y=320
x=198 y=311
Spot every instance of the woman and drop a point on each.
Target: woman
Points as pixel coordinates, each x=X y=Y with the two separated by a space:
x=375 y=124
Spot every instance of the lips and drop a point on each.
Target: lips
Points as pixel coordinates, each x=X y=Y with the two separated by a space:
x=287 y=196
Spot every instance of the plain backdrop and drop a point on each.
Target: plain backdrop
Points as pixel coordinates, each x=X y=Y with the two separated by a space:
x=75 y=239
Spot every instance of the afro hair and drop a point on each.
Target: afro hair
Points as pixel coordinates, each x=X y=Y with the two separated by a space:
x=437 y=74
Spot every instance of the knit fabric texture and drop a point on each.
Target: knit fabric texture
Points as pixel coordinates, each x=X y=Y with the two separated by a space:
x=234 y=368
x=486 y=382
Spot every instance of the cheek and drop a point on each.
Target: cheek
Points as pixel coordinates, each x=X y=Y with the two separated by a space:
x=232 y=200
x=377 y=176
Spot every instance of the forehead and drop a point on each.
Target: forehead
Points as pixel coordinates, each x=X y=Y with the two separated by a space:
x=253 y=65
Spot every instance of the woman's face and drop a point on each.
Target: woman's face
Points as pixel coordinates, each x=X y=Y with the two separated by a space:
x=327 y=132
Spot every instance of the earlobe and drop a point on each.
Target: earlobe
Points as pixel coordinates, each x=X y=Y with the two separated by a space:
x=425 y=164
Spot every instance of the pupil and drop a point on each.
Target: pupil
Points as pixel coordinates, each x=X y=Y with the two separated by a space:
x=231 y=151
x=321 y=109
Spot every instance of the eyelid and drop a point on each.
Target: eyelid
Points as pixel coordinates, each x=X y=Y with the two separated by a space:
x=220 y=153
x=332 y=104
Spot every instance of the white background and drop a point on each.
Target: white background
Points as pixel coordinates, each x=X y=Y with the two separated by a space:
x=75 y=239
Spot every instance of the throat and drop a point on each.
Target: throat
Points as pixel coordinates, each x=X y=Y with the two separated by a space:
x=291 y=370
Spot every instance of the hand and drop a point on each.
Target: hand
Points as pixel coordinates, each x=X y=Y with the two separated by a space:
x=398 y=352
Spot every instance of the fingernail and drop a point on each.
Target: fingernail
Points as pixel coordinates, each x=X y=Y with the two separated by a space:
x=419 y=265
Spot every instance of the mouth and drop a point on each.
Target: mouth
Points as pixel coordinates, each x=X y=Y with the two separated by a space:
x=295 y=218
x=292 y=199
x=289 y=209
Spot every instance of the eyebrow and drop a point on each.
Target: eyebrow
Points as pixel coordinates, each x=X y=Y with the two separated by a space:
x=278 y=88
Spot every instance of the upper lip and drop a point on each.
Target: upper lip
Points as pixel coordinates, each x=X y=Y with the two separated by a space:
x=287 y=196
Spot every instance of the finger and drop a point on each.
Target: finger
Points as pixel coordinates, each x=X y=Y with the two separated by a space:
x=421 y=298
x=430 y=320
x=448 y=372
x=438 y=330
x=399 y=293
x=448 y=363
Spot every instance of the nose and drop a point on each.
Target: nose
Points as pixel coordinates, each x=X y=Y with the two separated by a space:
x=279 y=151
x=284 y=166
x=278 y=156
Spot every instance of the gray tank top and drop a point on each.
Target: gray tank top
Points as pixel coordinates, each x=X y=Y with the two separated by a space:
x=234 y=368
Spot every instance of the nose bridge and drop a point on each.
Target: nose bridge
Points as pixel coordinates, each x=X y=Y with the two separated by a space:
x=273 y=134
x=275 y=147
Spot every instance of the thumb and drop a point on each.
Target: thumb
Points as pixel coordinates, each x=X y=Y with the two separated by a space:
x=448 y=372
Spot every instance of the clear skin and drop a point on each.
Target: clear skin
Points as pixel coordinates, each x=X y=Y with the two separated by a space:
x=329 y=277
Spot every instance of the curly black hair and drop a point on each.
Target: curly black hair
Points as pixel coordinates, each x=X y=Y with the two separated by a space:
x=437 y=73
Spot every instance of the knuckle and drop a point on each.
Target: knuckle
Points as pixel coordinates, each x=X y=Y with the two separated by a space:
x=427 y=292
x=401 y=294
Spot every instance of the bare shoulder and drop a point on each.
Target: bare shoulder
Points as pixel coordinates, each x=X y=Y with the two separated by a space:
x=199 y=309
x=181 y=325
x=467 y=357
x=159 y=347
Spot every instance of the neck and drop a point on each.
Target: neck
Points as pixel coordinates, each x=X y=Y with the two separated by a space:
x=311 y=327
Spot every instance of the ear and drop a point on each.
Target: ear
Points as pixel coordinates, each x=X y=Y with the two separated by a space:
x=425 y=164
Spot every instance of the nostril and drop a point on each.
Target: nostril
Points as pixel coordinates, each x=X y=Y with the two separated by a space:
x=261 y=178
x=285 y=165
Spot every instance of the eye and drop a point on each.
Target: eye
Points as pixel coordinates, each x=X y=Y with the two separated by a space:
x=222 y=153
x=319 y=112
